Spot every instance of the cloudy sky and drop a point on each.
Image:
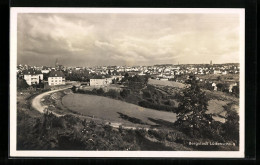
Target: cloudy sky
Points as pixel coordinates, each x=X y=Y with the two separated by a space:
x=127 y=39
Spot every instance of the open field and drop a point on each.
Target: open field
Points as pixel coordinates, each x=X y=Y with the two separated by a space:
x=166 y=83
x=72 y=131
x=227 y=77
x=129 y=114
x=114 y=110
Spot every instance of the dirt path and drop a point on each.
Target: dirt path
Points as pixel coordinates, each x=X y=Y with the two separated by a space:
x=37 y=105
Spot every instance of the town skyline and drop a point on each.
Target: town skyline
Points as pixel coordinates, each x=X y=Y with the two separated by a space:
x=127 y=39
x=53 y=65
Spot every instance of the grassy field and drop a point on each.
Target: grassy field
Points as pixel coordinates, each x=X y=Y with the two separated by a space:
x=166 y=83
x=36 y=131
x=227 y=77
x=114 y=110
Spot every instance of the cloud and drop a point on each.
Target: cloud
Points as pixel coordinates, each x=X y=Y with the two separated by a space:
x=127 y=39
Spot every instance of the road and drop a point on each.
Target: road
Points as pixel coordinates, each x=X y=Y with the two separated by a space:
x=37 y=105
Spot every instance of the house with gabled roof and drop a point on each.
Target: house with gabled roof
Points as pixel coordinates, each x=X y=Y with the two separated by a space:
x=56 y=78
x=32 y=76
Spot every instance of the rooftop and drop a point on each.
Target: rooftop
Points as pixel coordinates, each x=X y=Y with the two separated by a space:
x=56 y=74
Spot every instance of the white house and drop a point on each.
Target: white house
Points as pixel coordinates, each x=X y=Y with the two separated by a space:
x=45 y=71
x=56 y=78
x=32 y=77
x=230 y=89
x=215 y=86
x=224 y=72
x=217 y=72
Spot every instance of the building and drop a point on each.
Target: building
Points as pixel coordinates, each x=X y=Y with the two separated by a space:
x=117 y=77
x=100 y=82
x=230 y=89
x=56 y=78
x=217 y=72
x=45 y=70
x=32 y=76
x=214 y=85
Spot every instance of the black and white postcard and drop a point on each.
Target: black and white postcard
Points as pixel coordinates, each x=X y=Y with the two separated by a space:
x=127 y=82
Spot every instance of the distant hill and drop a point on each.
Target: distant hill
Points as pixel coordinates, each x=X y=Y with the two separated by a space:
x=163 y=65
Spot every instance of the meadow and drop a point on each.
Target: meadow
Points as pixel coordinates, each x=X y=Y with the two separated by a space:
x=114 y=110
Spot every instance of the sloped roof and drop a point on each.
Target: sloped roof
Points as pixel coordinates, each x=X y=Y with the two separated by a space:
x=56 y=74
x=31 y=72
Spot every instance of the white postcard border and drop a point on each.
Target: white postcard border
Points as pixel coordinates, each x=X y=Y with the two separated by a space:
x=166 y=154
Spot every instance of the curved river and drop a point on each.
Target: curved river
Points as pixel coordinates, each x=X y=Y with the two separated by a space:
x=115 y=110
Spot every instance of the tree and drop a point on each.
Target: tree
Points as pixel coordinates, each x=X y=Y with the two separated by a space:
x=231 y=126
x=40 y=85
x=21 y=84
x=73 y=88
x=100 y=91
x=222 y=87
x=45 y=76
x=191 y=112
x=235 y=90
x=112 y=93
x=208 y=86
x=126 y=75
x=124 y=93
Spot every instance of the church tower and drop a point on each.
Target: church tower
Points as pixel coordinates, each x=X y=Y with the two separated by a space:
x=56 y=63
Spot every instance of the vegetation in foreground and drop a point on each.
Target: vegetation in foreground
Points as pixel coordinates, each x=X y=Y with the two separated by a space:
x=194 y=121
x=48 y=132
x=72 y=133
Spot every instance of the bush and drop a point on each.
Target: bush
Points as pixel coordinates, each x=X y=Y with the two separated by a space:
x=94 y=91
x=108 y=127
x=71 y=120
x=160 y=135
x=147 y=104
x=222 y=87
x=112 y=93
x=100 y=91
x=73 y=88
x=147 y=94
x=231 y=126
x=70 y=140
x=235 y=91
x=124 y=93
x=141 y=132
x=22 y=84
